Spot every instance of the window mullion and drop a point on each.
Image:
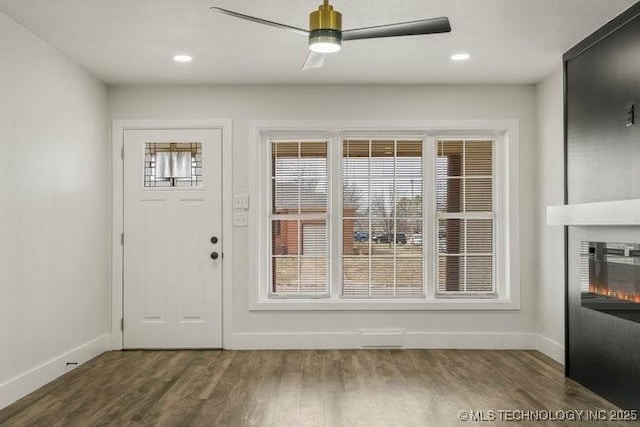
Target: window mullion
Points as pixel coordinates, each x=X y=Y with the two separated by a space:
x=498 y=253
x=268 y=157
x=464 y=210
x=299 y=223
x=369 y=258
x=335 y=188
x=394 y=209
x=429 y=216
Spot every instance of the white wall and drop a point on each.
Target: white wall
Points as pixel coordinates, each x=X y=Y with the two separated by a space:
x=550 y=191
x=54 y=212
x=336 y=329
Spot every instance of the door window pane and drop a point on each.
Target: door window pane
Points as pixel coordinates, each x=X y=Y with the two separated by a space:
x=174 y=164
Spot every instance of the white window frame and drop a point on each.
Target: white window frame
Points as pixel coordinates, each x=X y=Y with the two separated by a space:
x=326 y=217
x=505 y=133
x=372 y=136
x=495 y=216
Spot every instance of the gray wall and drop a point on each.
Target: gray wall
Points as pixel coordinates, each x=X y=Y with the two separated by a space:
x=550 y=192
x=245 y=103
x=55 y=209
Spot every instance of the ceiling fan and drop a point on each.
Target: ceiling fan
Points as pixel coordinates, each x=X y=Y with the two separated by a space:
x=326 y=36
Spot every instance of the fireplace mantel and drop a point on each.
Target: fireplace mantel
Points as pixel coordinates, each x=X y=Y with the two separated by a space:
x=618 y=212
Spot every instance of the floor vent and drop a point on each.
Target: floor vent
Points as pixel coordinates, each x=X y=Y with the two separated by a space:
x=381 y=338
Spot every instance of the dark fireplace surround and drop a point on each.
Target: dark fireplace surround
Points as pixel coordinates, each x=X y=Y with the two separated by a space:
x=602 y=158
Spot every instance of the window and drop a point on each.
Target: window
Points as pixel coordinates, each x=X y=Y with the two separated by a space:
x=465 y=218
x=382 y=251
x=173 y=164
x=299 y=218
x=400 y=219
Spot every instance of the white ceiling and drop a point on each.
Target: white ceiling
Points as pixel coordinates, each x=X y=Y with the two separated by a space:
x=131 y=42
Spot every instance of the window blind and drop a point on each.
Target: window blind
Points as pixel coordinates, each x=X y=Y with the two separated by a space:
x=382 y=252
x=465 y=218
x=299 y=220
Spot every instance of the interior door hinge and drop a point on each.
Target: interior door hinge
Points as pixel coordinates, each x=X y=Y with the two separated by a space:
x=122 y=152
x=122 y=324
x=122 y=239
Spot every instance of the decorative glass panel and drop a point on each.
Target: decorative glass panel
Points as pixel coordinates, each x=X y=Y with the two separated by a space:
x=173 y=164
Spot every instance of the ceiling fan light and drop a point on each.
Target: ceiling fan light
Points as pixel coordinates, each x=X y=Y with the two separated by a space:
x=325 y=47
x=325 y=41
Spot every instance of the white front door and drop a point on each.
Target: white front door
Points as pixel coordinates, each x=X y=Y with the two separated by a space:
x=172 y=233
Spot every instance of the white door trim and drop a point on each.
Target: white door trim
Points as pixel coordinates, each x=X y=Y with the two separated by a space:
x=117 y=140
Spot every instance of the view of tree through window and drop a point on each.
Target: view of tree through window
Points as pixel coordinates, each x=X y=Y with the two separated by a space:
x=382 y=220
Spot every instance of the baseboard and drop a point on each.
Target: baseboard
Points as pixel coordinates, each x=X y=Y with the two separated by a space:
x=471 y=340
x=551 y=348
x=293 y=341
x=391 y=339
x=27 y=382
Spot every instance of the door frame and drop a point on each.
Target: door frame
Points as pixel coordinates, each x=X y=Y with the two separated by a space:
x=118 y=128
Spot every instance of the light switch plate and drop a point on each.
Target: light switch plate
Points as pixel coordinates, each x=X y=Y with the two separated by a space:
x=240 y=219
x=237 y=201
x=241 y=201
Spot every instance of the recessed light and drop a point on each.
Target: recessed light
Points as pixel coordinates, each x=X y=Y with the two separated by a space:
x=182 y=58
x=460 y=56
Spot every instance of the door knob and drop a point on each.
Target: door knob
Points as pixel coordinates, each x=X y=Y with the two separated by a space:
x=214 y=240
x=214 y=255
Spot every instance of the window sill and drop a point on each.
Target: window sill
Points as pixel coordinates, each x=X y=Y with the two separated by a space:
x=384 y=305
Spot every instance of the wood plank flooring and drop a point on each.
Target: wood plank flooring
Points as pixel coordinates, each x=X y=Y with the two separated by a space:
x=302 y=388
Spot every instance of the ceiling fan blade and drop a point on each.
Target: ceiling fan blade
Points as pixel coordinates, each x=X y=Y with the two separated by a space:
x=261 y=21
x=413 y=28
x=314 y=60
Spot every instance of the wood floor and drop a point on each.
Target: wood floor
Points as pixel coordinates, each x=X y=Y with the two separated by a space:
x=302 y=388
